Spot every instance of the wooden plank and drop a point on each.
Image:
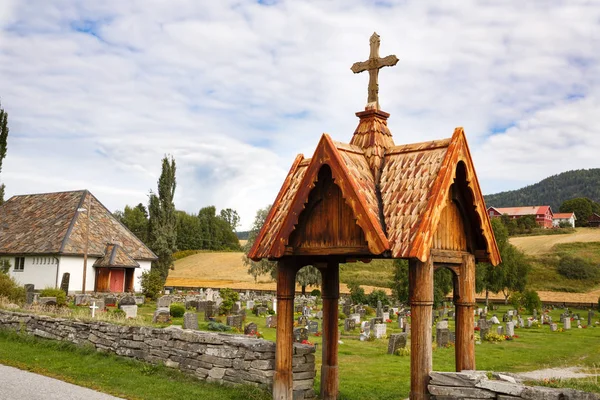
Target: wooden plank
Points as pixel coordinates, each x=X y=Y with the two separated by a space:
x=465 y=305
x=448 y=256
x=330 y=296
x=349 y=250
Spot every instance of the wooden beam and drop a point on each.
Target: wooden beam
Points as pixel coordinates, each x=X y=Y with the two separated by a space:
x=330 y=296
x=283 y=383
x=465 y=305
x=448 y=256
x=315 y=251
x=420 y=278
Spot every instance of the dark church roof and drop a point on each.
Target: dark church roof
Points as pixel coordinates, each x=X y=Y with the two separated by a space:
x=116 y=257
x=50 y=223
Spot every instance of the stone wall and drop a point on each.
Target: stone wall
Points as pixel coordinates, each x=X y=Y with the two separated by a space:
x=477 y=385
x=214 y=357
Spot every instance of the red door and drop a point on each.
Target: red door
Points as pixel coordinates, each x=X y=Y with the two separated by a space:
x=117 y=279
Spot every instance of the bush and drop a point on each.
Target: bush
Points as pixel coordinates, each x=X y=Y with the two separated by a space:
x=4 y=266
x=177 y=310
x=342 y=316
x=178 y=255
x=61 y=296
x=316 y=293
x=369 y=311
x=576 y=268
x=152 y=283
x=229 y=297
x=217 y=326
x=357 y=294
x=377 y=295
x=531 y=300
x=11 y=289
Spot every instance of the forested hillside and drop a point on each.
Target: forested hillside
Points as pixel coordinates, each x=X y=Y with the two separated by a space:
x=551 y=191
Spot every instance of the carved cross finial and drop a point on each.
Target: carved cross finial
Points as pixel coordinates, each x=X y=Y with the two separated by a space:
x=373 y=64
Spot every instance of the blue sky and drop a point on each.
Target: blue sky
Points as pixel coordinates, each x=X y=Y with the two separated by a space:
x=98 y=92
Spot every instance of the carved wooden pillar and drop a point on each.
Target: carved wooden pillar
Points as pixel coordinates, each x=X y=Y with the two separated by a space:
x=465 y=306
x=420 y=276
x=283 y=379
x=330 y=295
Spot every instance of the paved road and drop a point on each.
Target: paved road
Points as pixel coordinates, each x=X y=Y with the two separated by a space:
x=16 y=384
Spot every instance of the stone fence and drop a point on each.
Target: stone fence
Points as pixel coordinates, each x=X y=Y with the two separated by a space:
x=476 y=385
x=214 y=357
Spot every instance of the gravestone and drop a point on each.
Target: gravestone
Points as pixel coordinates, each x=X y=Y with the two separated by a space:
x=567 y=323
x=47 y=301
x=300 y=334
x=346 y=309
x=380 y=330
x=401 y=322
x=356 y=317
x=209 y=310
x=442 y=334
x=130 y=310
x=500 y=330
x=110 y=300
x=99 y=303
x=237 y=306
x=529 y=323
x=534 y=313
x=140 y=300
x=274 y=305
x=510 y=329
x=64 y=283
x=521 y=322
x=201 y=306
x=306 y=311
x=553 y=327
x=379 y=313
x=397 y=341
x=313 y=326
x=164 y=302
x=191 y=304
x=349 y=324
x=386 y=309
x=298 y=308
x=250 y=329
x=249 y=304
x=271 y=321
x=29 y=289
x=406 y=328
x=375 y=321
x=235 y=321
x=482 y=323
x=190 y=320
x=386 y=316
x=161 y=316
x=258 y=311
x=590 y=317
x=494 y=320
x=483 y=331
x=127 y=301
x=362 y=312
x=302 y=320
x=505 y=318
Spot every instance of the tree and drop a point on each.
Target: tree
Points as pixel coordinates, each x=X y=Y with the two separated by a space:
x=308 y=276
x=264 y=266
x=231 y=217
x=162 y=223
x=136 y=220
x=357 y=294
x=189 y=232
x=582 y=207
x=3 y=145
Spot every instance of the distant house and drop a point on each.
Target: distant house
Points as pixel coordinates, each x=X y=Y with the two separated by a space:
x=564 y=217
x=543 y=214
x=594 y=221
x=45 y=235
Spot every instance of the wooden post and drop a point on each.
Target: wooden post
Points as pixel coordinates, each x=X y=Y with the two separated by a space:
x=283 y=383
x=330 y=295
x=465 y=305
x=420 y=277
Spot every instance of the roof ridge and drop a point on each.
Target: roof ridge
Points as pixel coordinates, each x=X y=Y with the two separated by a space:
x=72 y=223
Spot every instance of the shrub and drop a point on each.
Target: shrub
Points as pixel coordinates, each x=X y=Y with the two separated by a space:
x=10 y=289
x=516 y=300
x=377 y=295
x=177 y=310
x=217 y=326
x=316 y=293
x=531 y=300
x=152 y=283
x=229 y=297
x=403 y=351
x=342 y=316
x=369 y=311
x=357 y=294
x=178 y=255
x=4 y=266
x=576 y=268
x=61 y=296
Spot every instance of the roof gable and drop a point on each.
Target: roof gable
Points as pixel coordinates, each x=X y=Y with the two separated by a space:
x=351 y=174
x=50 y=223
x=116 y=257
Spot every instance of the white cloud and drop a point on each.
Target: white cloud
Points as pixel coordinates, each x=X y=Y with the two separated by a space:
x=98 y=92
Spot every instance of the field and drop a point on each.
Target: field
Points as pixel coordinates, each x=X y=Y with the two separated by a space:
x=539 y=245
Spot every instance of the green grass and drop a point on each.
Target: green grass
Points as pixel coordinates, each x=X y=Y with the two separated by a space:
x=365 y=370
x=375 y=273
x=120 y=377
x=589 y=250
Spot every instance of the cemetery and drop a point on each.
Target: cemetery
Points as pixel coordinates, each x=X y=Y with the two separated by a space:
x=374 y=342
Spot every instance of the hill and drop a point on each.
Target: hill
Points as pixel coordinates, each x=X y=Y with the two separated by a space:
x=551 y=191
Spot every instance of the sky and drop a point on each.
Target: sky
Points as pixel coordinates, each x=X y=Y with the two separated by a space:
x=98 y=92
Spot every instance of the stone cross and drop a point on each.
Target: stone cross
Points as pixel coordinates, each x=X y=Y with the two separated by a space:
x=94 y=307
x=373 y=65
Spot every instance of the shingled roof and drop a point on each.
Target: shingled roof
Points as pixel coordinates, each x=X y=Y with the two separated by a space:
x=116 y=257
x=397 y=193
x=49 y=223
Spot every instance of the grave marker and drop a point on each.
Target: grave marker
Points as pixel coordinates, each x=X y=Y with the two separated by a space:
x=271 y=321
x=250 y=329
x=397 y=341
x=209 y=310
x=64 y=284
x=510 y=329
x=300 y=334
x=29 y=289
x=313 y=326
x=380 y=330
x=349 y=324
x=190 y=320
x=94 y=307
x=235 y=321
x=130 y=310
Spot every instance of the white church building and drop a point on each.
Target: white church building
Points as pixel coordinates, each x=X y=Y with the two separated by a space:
x=46 y=235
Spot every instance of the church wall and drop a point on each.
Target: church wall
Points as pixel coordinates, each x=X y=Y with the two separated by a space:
x=74 y=265
x=39 y=270
x=144 y=266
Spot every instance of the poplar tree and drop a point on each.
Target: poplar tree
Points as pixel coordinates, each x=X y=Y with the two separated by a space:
x=3 y=141
x=162 y=223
